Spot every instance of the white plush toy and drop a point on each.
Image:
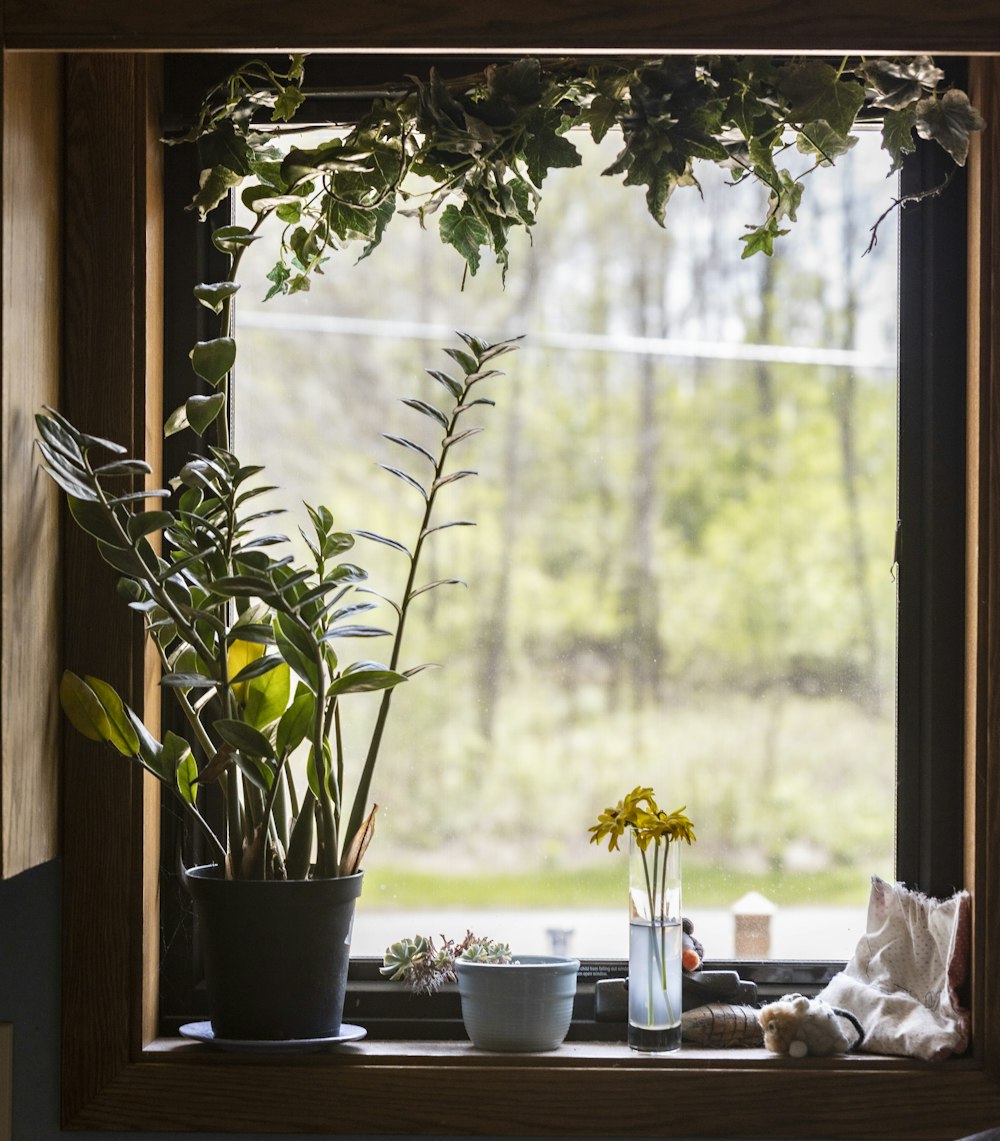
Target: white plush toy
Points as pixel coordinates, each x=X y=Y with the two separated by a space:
x=797 y=1026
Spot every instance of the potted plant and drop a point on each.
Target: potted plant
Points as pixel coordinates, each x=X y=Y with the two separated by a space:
x=247 y=642
x=520 y=1003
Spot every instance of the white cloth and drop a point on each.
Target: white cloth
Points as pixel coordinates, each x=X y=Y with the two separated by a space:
x=902 y=984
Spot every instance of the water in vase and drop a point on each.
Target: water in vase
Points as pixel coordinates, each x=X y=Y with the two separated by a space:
x=654 y=985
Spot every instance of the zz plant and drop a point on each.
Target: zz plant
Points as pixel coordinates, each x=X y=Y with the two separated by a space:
x=247 y=639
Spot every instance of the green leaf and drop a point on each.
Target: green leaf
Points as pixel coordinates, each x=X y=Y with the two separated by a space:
x=126 y=561
x=177 y=761
x=822 y=140
x=203 y=411
x=287 y=103
x=123 y=737
x=223 y=147
x=267 y=696
x=452 y=385
x=258 y=666
x=150 y=750
x=761 y=239
x=301 y=843
x=374 y=538
x=365 y=677
x=278 y=275
x=212 y=360
x=355 y=631
x=83 y=707
x=319 y=781
x=399 y=474
x=231 y=239
x=815 y=90
x=187 y=679
x=897 y=135
x=244 y=738
x=545 y=149
x=97 y=520
x=214 y=187
x=296 y=723
x=146 y=522
x=466 y=233
x=298 y=650
x=949 y=120
x=176 y=422
x=257 y=771
x=428 y=410
x=214 y=296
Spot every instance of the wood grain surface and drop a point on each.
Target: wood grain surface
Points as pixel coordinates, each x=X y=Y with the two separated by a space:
x=891 y=26
x=30 y=631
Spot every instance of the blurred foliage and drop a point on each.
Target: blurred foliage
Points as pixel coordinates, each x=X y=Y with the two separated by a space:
x=765 y=710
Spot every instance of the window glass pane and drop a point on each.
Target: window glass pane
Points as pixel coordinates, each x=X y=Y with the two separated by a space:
x=681 y=574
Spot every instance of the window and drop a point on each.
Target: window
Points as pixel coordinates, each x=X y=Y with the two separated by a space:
x=105 y=1087
x=733 y=420
x=681 y=570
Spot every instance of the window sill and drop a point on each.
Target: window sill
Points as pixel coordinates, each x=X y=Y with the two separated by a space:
x=583 y=1089
x=424 y=1052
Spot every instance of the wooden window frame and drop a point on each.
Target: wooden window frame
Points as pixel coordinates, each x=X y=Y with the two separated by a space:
x=116 y=1074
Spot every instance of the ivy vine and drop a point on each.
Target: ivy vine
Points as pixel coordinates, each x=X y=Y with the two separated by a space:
x=475 y=152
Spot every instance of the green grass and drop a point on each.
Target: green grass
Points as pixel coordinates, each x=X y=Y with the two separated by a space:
x=703 y=886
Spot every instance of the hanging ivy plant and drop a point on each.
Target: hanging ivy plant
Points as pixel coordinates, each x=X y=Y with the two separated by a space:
x=476 y=151
x=486 y=143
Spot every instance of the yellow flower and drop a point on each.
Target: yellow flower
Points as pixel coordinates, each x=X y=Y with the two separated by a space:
x=670 y=826
x=611 y=823
x=638 y=811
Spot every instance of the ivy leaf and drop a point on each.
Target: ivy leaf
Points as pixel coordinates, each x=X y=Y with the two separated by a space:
x=545 y=149
x=212 y=360
x=949 y=120
x=214 y=184
x=821 y=140
x=897 y=135
x=213 y=296
x=601 y=115
x=278 y=275
x=231 y=239
x=761 y=239
x=350 y=222
x=785 y=202
x=287 y=103
x=202 y=411
x=466 y=233
x=815 y=90
x=898 y=83
x=224 y=148
x=382 y=216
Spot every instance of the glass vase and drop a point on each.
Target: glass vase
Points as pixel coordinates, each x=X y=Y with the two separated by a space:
x=655 y=945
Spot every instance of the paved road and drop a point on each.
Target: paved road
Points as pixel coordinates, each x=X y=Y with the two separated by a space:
x=796 y=932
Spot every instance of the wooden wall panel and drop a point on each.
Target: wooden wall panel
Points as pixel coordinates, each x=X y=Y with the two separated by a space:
x=30 y=632
x=983 y=618
x=111 y=366
x=891 y=26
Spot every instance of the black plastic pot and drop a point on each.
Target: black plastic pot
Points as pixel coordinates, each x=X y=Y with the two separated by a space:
x=275 y=953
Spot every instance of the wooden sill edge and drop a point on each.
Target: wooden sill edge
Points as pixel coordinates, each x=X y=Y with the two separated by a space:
x=580 y=1054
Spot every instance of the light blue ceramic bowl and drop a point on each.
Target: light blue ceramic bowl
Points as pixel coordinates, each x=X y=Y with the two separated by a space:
x=526 y=1005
